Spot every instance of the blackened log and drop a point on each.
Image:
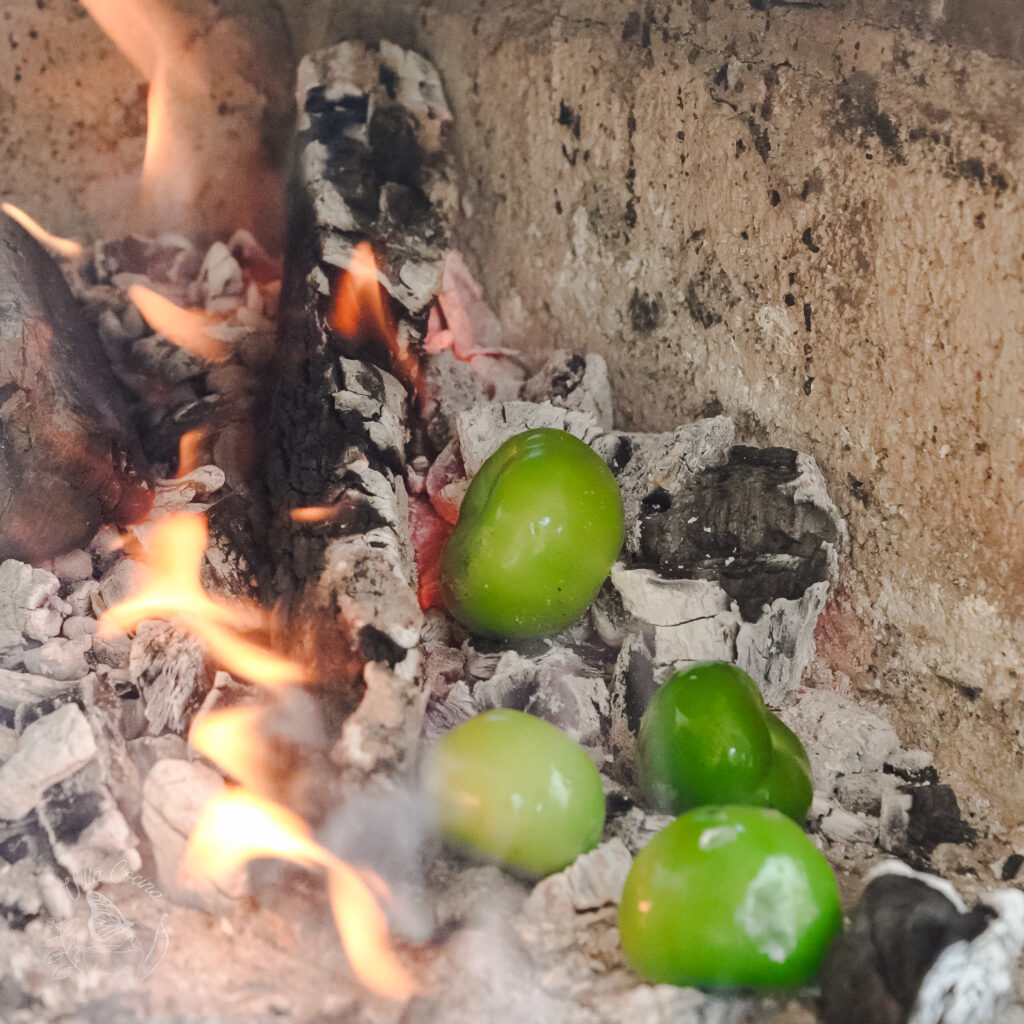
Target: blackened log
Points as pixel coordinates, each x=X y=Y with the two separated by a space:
x=371 y=166
x=69 y=458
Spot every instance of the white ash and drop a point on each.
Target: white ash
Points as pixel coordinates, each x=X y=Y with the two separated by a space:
x=657 y=601
x=382 y=732
x=30 y=605
x=18 y=688
x=575 y=382
x=484 y=428
x=60 y=658
x=72 y=567
x=841 y=736
x=51 y=748
x=894 y=820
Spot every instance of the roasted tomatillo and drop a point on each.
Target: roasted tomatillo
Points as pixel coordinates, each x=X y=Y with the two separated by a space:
x=728 y=897
x=514 y=789
x=708 y=738
x=538 y=530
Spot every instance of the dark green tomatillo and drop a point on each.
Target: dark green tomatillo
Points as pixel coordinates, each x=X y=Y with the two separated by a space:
x=538 y=530
x=708 y=738
x=729 y=896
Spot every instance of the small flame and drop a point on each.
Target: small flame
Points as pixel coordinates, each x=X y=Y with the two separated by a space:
x=184 y=327
x=239 y=826
x=170 y=588
x=314 y=513
x=361 y=311
x=66 y=247
x=231 y=739
x=189 y=451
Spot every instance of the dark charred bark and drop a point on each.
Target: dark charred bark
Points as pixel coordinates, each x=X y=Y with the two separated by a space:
x=69 y=457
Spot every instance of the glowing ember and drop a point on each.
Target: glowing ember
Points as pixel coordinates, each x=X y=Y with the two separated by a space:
x=170 y=588
x=238 y=826
x=189 y=451
x=66 y=247
x=314 y=513
x=184 y=327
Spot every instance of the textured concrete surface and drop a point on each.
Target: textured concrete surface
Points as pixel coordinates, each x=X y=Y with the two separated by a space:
x=806 y=216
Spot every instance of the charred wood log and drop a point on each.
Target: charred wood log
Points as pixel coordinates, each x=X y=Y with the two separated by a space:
x=69 y=458
x=371 y=166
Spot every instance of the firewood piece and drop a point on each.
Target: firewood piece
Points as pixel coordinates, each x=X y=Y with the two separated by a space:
x=69 y=459
x=169 y=668
x=372 y=165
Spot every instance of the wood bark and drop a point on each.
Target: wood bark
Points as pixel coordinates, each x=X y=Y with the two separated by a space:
x=69 y=457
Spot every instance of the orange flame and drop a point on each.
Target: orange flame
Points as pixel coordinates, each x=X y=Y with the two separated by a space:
x=230 y=739
x=169 y=587
x=239 y=826
x=314 y=513
x=361 y=311
x=189 y=451
x=184 y=327
x=66 y=247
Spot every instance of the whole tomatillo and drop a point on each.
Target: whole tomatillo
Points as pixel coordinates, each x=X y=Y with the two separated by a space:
x=708 y=738
x=539 y=528
x=514 y=789
x=729 y=896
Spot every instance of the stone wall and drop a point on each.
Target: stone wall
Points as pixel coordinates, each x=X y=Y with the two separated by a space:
x=804 y=215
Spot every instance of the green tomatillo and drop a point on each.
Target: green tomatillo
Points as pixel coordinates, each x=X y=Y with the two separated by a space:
x=708 y=738
x=539 y=528
x=514 y=789
x=729 y=897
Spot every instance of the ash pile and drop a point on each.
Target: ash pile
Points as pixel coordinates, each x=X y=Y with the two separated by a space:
x=329 y=467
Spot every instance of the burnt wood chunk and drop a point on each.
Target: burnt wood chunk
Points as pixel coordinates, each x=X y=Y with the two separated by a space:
x=69 y=458
x=371 y=166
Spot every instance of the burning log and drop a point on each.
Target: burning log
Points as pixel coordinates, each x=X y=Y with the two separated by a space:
x=371 y=166
x=69 y=459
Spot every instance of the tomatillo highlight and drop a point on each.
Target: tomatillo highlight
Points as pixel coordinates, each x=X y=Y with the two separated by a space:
x=514 y=789
x=729 y=897
x=708 y=738
x=538 y=530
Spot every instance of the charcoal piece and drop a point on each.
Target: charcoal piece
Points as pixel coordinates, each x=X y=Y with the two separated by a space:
x=30 y=606
x=31 y=711
x=104 y=710
x=18 y=688
x=87 y=831
x=914 y=953
x=50 y=750
x=23 y=839
x=935 y=818
x=574 y=381
x=745 y=525
x=69 y=458
x=170 y=670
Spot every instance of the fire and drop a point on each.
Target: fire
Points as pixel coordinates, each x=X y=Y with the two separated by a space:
x=184 y=327
x=66 y=247
x=170 y=588
x=190 y=451
x=239 y=826
x=361 y=312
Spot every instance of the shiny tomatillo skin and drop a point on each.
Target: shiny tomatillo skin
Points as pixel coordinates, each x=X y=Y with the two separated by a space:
x=512 y=788
x=708 y=738
x=538 y=530
x=729 y=897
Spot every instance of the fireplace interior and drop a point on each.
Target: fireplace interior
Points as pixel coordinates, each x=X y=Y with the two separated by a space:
x=764 y=258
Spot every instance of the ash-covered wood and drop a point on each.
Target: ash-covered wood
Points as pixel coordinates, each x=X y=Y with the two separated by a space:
x=69 y=457
x=371 y=165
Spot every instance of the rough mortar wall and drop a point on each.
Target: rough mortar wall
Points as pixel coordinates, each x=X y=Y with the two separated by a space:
x=807 y=217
